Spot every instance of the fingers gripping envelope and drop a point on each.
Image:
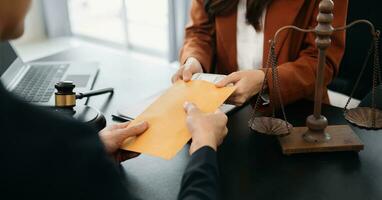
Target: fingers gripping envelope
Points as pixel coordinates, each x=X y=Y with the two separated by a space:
x=168 y=133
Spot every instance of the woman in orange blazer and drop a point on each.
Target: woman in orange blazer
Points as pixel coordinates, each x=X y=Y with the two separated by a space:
x=219 y=39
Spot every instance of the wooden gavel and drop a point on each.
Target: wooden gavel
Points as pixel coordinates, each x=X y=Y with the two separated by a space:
x=66 y=98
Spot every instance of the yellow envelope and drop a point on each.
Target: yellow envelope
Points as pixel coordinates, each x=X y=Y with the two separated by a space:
x=168 y=132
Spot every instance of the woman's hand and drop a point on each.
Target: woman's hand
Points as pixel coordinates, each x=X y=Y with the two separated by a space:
x=207 y=129
x=248 y=83
x=113 y=136
x=185 y=72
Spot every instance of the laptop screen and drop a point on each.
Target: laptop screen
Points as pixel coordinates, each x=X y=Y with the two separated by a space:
x=7 y=56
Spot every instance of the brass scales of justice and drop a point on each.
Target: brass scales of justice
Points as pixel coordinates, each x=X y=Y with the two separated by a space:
x=318 y=136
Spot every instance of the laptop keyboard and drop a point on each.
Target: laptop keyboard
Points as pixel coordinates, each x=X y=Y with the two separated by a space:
x=38 y=83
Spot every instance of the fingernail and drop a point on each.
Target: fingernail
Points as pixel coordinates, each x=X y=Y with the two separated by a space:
x=185 y=104
x=144 y=123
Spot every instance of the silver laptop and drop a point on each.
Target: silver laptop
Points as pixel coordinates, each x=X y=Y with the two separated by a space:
x=34 y=82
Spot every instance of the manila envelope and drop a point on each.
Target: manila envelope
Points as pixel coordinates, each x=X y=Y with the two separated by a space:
x=168 y=133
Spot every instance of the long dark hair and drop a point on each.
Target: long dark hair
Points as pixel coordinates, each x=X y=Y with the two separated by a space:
x=255 y=9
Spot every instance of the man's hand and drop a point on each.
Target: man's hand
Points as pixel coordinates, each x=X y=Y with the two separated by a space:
x=248 y=83
x=185 y=72
x=114 y=135
x=207 y=129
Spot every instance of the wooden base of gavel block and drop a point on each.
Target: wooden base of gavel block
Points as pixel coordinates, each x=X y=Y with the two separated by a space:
x=343 y=138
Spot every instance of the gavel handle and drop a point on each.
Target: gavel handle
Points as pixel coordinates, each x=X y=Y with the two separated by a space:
x=94 y=93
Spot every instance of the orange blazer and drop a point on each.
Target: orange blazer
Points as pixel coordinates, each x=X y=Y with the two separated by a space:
x=215 y=42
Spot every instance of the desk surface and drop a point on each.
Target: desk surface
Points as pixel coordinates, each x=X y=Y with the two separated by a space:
x=251 y=165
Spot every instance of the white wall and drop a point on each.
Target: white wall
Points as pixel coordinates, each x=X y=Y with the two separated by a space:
x=34 y=25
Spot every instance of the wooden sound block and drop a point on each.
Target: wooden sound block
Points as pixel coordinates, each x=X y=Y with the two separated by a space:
x=343 y=138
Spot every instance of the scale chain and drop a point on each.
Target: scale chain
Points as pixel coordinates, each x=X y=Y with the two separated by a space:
x=364 y=65
x=277 y=83
x=376 y=78
x=272 y=64
x=263 y=85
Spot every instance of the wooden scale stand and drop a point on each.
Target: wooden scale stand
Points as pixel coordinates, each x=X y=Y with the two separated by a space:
x=318 y=136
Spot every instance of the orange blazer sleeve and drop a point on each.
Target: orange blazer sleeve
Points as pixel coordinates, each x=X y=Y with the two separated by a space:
x=298 y=77
x=199 y=36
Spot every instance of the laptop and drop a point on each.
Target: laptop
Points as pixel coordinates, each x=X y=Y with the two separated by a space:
x=34 y=82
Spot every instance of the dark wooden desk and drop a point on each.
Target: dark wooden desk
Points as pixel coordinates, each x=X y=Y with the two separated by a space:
x=252 y=166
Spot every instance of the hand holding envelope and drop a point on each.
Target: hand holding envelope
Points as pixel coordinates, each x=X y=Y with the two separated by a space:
x=168 y=132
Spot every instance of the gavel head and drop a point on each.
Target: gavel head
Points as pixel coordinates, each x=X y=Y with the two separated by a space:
x=65 y=97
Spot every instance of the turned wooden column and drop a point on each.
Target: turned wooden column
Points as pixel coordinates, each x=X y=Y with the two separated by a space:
x=317 y=123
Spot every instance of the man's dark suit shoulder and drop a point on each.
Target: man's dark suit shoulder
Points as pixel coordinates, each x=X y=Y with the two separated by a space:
x=51 y=157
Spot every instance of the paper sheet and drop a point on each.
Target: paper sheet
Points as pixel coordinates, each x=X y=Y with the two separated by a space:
x=168 y=132
x=133 y=111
